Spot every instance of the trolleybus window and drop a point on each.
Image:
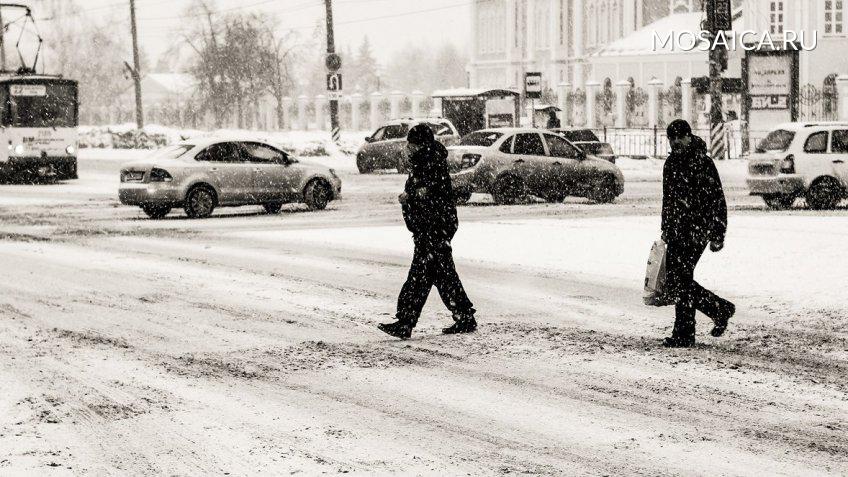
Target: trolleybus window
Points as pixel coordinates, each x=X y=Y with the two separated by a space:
x=39 y=105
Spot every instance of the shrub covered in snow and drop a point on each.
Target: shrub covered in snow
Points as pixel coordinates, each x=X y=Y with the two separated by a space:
x=297 y=143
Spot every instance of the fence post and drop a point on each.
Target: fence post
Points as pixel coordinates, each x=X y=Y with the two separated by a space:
x=605 y=133
x=320 y=100
x=686 y=99
x=654 y=101
x=621 y=104
x=415 y=99
x=302 y=120
x=842 y=92
x=656 y=142
x=591 y=92
x=376 y=97
x=355 y=101
x=564 y=105
x=394 y=101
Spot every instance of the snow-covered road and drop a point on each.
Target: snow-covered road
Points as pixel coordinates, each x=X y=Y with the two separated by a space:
x=246 y=343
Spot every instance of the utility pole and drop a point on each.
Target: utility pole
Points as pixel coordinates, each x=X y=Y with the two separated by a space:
x=2 y=41
x=718 y=17
x=333 y=64
x=135 y=71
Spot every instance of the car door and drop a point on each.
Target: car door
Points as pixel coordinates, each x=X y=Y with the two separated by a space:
x=370 y=149
x=228 y=171
x=530 y=161
x=563 y=166
x=393 y=146
x=839 y=154
x=273 y=179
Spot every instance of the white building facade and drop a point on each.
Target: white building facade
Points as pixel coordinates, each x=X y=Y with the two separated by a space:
x=556 y=37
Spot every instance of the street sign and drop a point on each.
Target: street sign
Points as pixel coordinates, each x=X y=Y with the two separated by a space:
x=333 y=62
x=334 y=83
x=533 y=85
x=723 y=16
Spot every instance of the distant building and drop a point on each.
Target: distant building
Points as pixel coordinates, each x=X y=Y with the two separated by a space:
x=556 y=37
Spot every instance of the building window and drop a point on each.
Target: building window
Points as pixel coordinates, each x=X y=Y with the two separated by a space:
x=776 y=17
x=834 y=16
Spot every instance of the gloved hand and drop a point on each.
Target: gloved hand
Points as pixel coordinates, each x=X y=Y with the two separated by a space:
x=717 y=245
x=403 y=198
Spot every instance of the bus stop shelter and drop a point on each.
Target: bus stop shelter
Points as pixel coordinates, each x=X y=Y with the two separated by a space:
x=474 y=109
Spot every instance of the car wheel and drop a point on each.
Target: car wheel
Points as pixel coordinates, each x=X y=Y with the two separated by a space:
x=508 y=190
x=779 y=201
x=362 y=165
x=824 y=194
x=462 y=197
x=200 y=202
x=604 y=190
x=273 y=207
x=156 y=211
x=317 y=195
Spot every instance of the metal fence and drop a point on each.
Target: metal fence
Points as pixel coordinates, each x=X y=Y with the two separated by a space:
x=652 y=142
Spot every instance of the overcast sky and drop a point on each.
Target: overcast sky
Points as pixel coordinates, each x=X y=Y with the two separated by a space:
x=389 y=24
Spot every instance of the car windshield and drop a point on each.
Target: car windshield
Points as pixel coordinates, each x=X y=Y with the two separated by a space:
x=172 y=152
x=579 y=135
x=596 y=148
x=480 y=138
x=778 y=140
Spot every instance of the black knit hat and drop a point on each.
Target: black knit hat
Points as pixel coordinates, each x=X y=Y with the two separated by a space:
x=678 y=128
x=420 y=134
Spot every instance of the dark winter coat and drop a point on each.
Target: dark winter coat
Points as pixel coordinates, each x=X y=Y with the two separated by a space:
x=694 y=208
x=433 y=214
x=554 y=123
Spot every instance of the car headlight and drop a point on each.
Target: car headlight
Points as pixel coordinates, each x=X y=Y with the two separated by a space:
x=70 y=150
x=160 y=175
x=19 y=149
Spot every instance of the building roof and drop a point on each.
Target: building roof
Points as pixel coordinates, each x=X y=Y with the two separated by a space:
x=641 y=42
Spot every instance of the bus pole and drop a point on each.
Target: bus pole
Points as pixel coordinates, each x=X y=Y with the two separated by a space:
x=718 y=54
x=135 y=71
x=333 y=68
x=2 y=41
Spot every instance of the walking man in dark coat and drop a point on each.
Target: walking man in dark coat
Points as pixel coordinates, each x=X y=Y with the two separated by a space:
x=694 y=214
x=429 y=210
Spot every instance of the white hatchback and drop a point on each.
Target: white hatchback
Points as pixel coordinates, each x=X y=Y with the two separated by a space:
x=807 y=160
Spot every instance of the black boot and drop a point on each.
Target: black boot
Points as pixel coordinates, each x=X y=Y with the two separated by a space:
x=721 y=321
x=462 y=324
x=676 y=342
x=398 y=329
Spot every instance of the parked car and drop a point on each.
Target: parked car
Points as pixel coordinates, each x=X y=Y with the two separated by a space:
x=202 y=174
x=512 y=162
x=385 y=149
x=808 y=159
x=588 y=141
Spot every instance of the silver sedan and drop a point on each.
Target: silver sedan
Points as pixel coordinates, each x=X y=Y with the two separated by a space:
x=511 y=163
x=200 y=175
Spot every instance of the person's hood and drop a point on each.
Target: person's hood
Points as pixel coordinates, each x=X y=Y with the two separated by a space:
x=698 y=146
x=433 y=150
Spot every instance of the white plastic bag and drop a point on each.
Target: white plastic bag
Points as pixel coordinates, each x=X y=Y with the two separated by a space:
x=655 y=276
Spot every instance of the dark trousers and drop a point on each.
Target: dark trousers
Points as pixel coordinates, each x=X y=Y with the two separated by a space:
x=681 y=259
x=432 y=264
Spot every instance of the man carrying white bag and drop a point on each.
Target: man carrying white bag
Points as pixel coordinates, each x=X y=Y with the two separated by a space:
x=655 y=290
